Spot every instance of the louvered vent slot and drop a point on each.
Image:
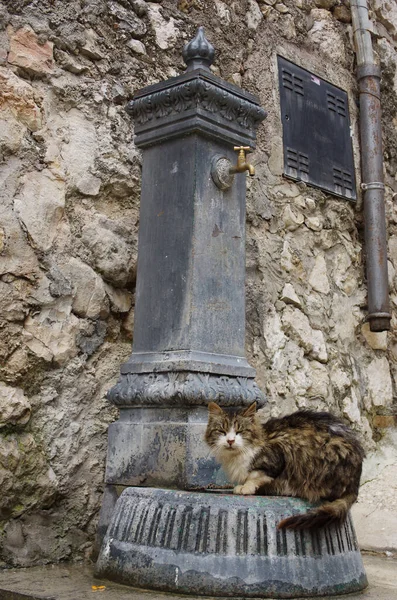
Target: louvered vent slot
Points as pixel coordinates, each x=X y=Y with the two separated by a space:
x=343 y=179
x=292 y=82
x=292 y=158
x=297 y=160
x=336 y=104
x=303 y=162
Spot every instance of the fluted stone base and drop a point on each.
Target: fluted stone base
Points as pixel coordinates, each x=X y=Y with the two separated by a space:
x=223 y=545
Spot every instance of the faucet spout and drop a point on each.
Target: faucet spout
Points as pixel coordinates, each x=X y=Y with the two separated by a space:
x=242 y=164
x=251 y=170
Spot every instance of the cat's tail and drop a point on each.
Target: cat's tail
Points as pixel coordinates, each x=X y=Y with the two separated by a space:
x=322 y=516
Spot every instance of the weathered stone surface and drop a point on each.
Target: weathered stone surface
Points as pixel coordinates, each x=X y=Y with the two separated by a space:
x=91 y=47
x=325 y=35
x=380 y=390
x=314 y=223
x=273 y=334
x=386 y=13
x=14 y=406
x=166 y=32
x=325 y=3
x=140 y=7
x=11 y=133
x=289 y=296
x=2 y=239
x=342 y=13
x=17 y=255
x=319 y=380
x=340 y=380
x=27 y=480
x=68 y=63
x=20 y=99
x=292 y=218
x=89 y=185
x=51 y=334
x=13 y=296
x=253 y=16
x=281 y=8
x=136 y=46
x=40 y=206
x=318 y=277
x=287 y=190
x=113 y=255
x=351 y=409
x=319 y=350
x=78 y=150
x=286 y=258
x=128 y=325
x=120 y=300
x=127 y=21
x=89 y=295
x=223 y=12
x=297 y=325
x=376 y=508
x=26 y=52
x=91 y=336
x=377 y=341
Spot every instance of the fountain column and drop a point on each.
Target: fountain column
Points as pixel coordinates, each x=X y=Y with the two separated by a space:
x=189 y=326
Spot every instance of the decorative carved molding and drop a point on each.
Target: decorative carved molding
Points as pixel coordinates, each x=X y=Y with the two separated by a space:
x=184 y=389
x=220 y=171
x=217 y=514
x=199 y=94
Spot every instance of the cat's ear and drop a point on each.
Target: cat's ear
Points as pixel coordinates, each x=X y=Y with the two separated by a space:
x=250 y=411
x=214 y=409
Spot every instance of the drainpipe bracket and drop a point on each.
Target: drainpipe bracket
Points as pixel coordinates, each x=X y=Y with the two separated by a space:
x=373 y=185
x=368 y=70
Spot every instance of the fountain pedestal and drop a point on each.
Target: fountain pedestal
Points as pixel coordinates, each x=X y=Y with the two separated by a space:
x=224 y=545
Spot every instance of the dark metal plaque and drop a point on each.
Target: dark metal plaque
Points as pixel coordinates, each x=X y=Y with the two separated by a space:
x=316 y=131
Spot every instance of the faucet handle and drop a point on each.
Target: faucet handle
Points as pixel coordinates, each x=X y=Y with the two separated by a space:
x=242 y=149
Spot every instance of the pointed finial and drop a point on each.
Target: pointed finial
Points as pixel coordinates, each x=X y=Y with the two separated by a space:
x=199 y=53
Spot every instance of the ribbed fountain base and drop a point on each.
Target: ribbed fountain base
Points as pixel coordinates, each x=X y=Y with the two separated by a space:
x=218 y=544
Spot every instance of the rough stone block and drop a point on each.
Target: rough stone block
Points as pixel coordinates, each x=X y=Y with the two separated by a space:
x=26 y=52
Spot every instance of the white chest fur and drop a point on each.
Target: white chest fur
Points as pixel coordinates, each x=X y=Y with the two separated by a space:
x=236 y=464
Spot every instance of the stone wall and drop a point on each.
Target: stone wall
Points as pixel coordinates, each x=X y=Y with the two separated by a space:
x=69 y=210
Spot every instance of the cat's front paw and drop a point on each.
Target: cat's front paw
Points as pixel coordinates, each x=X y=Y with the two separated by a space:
x=248 y=489
x=237 y=489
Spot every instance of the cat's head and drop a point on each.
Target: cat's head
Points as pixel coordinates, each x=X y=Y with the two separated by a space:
x=237 y=432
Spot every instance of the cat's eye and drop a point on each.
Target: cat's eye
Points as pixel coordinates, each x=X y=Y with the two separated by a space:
x=221 y=431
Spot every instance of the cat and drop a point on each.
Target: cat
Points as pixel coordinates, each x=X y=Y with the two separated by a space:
x=308 y=454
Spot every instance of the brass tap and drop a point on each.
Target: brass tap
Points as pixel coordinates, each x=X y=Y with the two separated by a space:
x=242 y=164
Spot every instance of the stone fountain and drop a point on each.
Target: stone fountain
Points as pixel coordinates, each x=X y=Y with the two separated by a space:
x=168 y=520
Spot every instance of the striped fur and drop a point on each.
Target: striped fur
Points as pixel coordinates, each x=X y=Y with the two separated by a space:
x=312 y=455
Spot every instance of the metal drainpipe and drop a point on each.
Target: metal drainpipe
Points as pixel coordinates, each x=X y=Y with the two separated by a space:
x=368 y=75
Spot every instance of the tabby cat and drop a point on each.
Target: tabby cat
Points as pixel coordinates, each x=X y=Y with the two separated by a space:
x=308 y=454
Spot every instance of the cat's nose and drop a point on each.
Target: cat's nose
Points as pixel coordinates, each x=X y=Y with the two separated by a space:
x=231 y=442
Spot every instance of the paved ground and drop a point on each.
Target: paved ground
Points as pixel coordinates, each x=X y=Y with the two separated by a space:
x=76 y=582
